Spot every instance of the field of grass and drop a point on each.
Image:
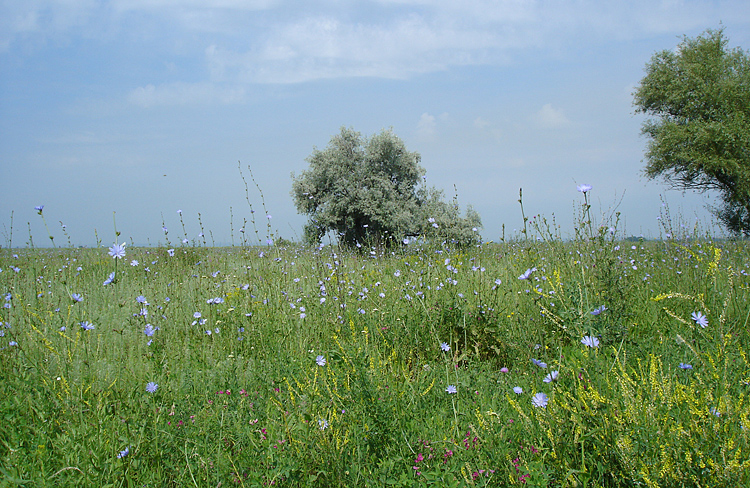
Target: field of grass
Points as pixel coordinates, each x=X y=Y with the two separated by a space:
x=583 y=363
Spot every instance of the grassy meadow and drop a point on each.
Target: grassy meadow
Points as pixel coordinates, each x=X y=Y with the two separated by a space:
x=588 y=362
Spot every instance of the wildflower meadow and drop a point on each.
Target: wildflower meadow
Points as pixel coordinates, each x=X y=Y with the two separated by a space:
x=537 y=361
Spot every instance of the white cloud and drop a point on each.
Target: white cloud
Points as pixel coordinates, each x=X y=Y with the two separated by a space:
x=276 y=41
x=549 y=117
x=37 y=19
x=480 y=123
x=186 y=94
x=407 y=37
x=123 y=5
x=324 y=47
x=426 y=126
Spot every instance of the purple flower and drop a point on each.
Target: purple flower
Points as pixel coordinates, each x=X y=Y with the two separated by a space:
x=109 y=280
x=590 y=341
x=584 y=188
x=117 y=251
x=86 y=325
x=540 y=400
x=149 y=330
x=599 y=310
x=123 y=453
x=552 y=376
x=151 y=387
x=77 y=297
x=141 y=299
x=527 y=274
x=39 y=209
x=517 y=390
x=445 y=347
x=700 y=319
x=686 y=366
x=539 y=363
x=451 y=389
x=170 y=252
x=320 y=360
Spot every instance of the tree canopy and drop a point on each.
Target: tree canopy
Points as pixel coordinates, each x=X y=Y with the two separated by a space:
x=700 y=138
x=371 y=191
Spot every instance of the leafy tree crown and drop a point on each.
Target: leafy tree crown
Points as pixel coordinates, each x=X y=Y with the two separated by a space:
x=367 y=191
x=699 y=138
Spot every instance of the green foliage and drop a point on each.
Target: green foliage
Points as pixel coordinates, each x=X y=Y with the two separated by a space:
x=366 y=190
x=700 y=96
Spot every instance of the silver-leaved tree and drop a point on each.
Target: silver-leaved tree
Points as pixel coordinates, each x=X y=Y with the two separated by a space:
x=370 y=191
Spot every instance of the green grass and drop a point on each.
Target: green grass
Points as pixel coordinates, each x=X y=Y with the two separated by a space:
x=248 y=405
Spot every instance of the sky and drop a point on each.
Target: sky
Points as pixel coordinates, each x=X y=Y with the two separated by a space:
x=117 y=114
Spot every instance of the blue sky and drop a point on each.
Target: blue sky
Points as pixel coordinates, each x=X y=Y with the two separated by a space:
x=140 y=108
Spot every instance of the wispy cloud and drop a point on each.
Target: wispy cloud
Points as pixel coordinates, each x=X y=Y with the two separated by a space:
x=194 y=4
x=549 y=117
x=36 y=20
x=275 y=41
x=324 y=47
x=427 y=126
x=186 y=94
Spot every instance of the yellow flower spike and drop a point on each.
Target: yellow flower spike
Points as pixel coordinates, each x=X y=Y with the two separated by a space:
x=428 y=388
x=46 y=341
x=662 y=296
x=713 y=266
x=480 y=418
x=517 y=408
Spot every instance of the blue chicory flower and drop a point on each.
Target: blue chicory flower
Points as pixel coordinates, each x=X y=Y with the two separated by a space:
x=700 y=319
x=590 y=341
x=540 y=400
